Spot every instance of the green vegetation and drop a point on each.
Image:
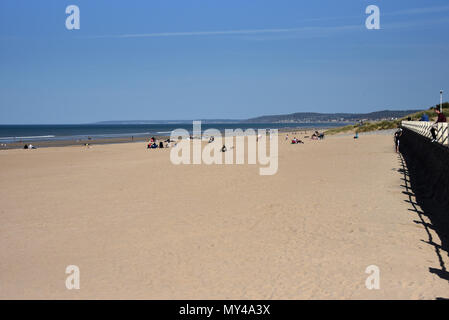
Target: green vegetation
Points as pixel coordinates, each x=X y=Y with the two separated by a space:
x=348 y=128
x=430 y=112
x=388 y=124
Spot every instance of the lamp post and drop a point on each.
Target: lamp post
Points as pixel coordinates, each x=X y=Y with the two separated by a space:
x=441 y=100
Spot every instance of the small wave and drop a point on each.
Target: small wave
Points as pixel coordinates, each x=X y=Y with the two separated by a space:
x=34 y=137
x=112 y=135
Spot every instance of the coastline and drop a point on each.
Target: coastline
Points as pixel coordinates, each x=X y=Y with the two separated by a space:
x=45 y=143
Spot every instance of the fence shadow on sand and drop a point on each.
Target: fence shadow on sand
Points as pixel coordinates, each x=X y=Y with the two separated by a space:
x=427 y=209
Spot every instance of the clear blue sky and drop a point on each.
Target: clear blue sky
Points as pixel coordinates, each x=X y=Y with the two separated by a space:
x=187 y=59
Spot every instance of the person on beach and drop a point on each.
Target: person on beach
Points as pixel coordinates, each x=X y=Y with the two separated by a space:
x=356 y=135
x=315 y=136
x=397 y=136
x=441 y=118
x=297 y=141
x=152 y=145
x=223 y=149
x=318 y=136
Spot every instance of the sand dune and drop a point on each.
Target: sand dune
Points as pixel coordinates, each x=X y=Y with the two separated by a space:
x=140 y=227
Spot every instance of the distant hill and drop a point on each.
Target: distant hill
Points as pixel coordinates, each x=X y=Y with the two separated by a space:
x=331 y=117
x=124 y=122
x=298 y=117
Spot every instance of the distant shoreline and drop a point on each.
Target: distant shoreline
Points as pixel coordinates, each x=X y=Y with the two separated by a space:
x=115 y=140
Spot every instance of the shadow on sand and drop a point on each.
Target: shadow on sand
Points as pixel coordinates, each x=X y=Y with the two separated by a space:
x=415 y=187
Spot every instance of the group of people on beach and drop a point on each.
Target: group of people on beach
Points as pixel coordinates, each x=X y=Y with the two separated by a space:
x=315 y=136
x=441 y=118
x=223 y=149
x=152 y=143
x=29 y=146
x=297 y=141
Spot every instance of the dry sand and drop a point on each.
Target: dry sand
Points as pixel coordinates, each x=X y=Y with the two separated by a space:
x=140 y=227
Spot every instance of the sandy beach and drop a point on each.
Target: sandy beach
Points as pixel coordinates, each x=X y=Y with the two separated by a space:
x=140 y=227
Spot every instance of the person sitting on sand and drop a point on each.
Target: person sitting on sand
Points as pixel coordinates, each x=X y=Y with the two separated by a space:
x=161 y=144
x=223 y=149
x=152 y=145
x=211 y=139
x=297 y=141
x=318 y=136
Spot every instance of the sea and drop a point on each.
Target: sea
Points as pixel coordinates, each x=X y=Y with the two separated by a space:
x=28 y=133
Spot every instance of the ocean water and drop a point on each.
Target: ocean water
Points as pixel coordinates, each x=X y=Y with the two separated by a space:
x=17 y=133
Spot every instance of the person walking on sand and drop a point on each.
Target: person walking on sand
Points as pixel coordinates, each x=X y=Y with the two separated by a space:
x=397 y=136
x=441 y=118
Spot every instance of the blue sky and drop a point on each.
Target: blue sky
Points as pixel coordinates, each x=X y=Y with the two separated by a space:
x=188 y=59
